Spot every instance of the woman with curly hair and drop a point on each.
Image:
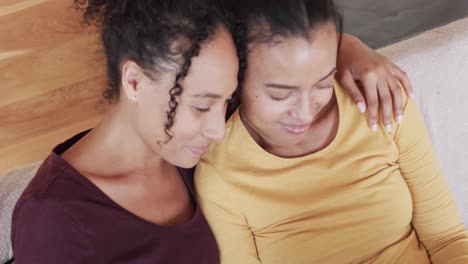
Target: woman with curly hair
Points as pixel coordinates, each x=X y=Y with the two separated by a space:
x=123 y=192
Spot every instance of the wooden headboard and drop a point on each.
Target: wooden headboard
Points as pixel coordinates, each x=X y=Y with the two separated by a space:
x=51 y=78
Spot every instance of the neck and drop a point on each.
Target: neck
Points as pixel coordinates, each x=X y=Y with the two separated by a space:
x=114 y=149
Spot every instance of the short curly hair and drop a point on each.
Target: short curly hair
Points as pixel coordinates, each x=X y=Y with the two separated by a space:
x=144 y=31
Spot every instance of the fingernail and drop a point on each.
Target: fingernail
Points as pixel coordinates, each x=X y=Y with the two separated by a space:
x=374 y=127
x=399 y=119
x=412 y=96
x=388 y=128
x=361 y=107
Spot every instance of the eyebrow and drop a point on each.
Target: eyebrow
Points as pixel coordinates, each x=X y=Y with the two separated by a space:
x=207 y=95
x=285 y=86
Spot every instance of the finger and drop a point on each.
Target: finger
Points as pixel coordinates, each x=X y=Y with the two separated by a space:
x=370 y=89
x=386 y=105
x=404 y=79
x=349 y=84
x=395 y=91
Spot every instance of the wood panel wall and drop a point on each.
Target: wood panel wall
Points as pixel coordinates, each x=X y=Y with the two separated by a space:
x=51 y=78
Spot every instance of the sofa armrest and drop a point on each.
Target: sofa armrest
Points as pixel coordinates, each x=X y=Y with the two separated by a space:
x=12 y=185
x=437 y=64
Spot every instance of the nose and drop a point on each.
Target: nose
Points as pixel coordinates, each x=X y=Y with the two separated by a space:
x=302 y=110
x=215 y=128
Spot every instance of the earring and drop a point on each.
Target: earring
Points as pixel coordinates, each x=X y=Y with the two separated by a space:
x=133 y=98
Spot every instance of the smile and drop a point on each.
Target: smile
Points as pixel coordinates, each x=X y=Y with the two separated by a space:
x=296 y=129
x=199 y=151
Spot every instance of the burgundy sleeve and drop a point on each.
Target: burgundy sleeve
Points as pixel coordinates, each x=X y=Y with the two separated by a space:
x=44 y=232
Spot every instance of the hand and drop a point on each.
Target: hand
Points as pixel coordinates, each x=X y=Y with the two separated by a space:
x=378 y=77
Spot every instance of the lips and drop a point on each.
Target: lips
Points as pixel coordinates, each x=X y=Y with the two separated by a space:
x=199 y=151
x=296 y=129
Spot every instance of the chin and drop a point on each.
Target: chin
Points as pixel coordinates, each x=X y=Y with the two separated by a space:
x=186 y=164
x=291 y=141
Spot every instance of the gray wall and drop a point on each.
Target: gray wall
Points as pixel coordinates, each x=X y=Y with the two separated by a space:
x=381 y=22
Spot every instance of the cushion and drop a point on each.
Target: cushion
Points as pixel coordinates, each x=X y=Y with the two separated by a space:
x=12 y=185
x=437 y=64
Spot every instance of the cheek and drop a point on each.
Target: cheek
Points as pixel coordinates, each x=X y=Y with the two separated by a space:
x=187 y=125
x=153 y=101
x=151 y=117
x=321 y=99
x=317 y=106
x=265 y=111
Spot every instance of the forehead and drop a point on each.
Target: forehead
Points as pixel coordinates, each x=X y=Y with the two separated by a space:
x=215 y=69
x=297 y=56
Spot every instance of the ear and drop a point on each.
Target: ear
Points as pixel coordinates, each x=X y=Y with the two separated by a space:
x=132 y=76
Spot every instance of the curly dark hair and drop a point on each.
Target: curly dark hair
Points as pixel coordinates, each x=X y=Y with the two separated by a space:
x=266 y=21
x=144 y=31
x=239 y=32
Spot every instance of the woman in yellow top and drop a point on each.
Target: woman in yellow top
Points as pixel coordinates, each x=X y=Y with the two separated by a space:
x=299 y=177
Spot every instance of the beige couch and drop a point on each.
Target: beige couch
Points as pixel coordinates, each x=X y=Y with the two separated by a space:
x=436 y=61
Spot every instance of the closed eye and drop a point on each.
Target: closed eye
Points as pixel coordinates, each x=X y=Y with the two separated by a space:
x=202 y=110
x=279 y=98
x=326 y=86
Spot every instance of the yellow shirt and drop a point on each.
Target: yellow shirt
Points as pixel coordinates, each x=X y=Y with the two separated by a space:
x=369 y=197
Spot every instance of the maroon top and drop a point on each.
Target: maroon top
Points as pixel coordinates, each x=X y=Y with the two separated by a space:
x=62 y=217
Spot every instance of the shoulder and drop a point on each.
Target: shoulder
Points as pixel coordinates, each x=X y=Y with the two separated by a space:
x=44 y=231
x=47 y=205
x=41 y=212
x=56 y=180
x=206 y=176
x=355 y=122
x=40 y=226
x=232 y=136
x=212 y=178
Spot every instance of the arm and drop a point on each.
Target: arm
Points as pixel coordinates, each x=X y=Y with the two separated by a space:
x=435 y=216
x=43 y=232
x=230 y=228
x=378 y=77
